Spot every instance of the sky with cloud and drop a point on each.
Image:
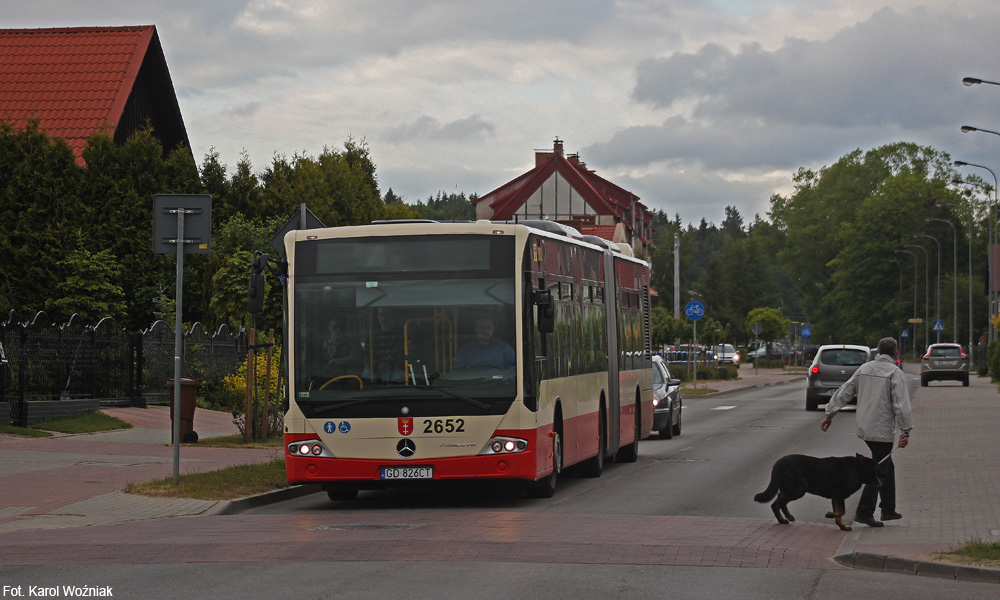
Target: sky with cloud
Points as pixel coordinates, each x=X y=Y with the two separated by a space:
x=693 y=105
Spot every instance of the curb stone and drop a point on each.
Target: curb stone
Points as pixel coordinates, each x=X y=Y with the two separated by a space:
x=911 y=566
x=234 y=507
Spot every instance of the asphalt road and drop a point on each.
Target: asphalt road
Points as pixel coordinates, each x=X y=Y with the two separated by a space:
x=674 y=524
x=721 y=459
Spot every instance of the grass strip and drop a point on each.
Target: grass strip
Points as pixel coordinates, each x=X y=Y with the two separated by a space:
x=23 y=431
x=224 y=484
x=976 y=553
x=87 y=422
x=236 y=441
x=697 y=391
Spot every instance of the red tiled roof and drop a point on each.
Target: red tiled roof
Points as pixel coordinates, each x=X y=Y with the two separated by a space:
x=74 y=80
x=602 y=231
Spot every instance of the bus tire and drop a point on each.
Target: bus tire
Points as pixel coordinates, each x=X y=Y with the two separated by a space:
x=593 y=467
x=630 y=453
x=546 y=486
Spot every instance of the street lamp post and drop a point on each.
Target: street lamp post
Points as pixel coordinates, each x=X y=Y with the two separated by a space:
x=990 y=244
x=972 y=360
x=954 y=277
x=927 y=292
x=974 y=81
x=937 y=295
x=900 y=265
x=913 y=254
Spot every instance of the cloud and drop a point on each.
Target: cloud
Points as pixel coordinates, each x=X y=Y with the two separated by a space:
x=426 y=128
x=890 y=75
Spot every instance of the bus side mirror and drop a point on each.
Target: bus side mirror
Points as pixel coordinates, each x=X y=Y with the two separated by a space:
x=546 y=311
x=255 y=291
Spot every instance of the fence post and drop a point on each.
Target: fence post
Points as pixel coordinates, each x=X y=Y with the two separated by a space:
x=248 y=412
x=266 y=409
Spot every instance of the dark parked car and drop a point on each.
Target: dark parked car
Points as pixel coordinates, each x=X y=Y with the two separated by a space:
x=832 y=366
x=667 y=402
x=944 y=361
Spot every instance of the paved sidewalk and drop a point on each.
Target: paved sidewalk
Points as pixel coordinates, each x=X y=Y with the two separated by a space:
x=748 y=378
x=76 y=479
x=948 y=478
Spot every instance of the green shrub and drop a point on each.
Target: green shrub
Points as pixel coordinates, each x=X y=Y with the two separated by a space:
x=993 y=359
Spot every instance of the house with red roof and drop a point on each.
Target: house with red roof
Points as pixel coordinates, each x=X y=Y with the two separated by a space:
x=80 y=80
x=561 y=188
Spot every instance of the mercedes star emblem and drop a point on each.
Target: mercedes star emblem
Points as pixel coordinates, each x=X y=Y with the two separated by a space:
x=406 y=448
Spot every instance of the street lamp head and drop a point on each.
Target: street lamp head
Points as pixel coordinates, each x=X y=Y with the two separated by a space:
x=971 y=81
x=960 y=163
x=968 y=128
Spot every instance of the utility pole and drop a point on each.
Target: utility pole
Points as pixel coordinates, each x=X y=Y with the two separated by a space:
x=677 y=276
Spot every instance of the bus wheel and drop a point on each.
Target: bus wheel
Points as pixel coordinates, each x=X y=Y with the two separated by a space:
x=342 y=495
x=630 y=453
x=546 y=487
x=593 y=467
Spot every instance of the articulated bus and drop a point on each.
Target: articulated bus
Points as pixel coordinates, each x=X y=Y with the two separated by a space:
x=462 y=351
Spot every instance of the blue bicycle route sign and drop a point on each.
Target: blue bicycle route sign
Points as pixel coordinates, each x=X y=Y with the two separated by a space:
x=694 y=310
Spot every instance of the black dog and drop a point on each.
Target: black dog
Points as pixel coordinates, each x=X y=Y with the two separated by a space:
x=836 y=478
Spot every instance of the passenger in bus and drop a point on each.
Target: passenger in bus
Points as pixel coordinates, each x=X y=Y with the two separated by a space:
x=485 y=351
x=341 y=355
x=387 y=348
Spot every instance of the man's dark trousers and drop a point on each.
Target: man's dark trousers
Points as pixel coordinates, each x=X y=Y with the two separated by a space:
x=887 y=474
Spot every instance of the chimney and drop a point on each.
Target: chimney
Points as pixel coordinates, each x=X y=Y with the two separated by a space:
x=557 y=147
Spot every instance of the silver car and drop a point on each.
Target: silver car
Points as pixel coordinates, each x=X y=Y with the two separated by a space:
x=667 y=402
x=832 y=366
x=726 y=354
x=944 y=361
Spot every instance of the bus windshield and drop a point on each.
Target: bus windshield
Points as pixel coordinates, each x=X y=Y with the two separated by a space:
x=403 y=328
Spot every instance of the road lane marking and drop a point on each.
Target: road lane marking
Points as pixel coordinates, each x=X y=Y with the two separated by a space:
x=724 y=408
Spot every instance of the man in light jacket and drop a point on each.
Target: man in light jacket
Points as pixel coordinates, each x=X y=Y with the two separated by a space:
x=883 y=406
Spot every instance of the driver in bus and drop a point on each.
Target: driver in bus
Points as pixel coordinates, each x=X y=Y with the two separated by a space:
x=485 y=351
x=341 y=355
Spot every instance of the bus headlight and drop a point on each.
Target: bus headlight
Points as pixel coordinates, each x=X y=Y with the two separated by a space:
x=314 y=448
x=505 y=445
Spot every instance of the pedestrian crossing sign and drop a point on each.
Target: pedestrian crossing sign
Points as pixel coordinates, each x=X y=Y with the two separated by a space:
x=938 y=326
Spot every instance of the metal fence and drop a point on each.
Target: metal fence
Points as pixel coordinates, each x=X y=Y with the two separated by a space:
x=40 y=360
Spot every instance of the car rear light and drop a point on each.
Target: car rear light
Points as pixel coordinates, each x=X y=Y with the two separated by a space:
x=963 y=355
x=815 y=370
x=927 y=356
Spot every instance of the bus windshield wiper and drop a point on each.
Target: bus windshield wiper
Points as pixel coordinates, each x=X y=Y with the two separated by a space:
x=473 y=402
x=332 y=407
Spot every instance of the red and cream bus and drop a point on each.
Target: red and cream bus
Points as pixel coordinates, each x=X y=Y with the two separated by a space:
x=462 y=351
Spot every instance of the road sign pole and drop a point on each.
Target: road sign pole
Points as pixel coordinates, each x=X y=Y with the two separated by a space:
x=694 y=324
x=178 y=345
x=195 y=239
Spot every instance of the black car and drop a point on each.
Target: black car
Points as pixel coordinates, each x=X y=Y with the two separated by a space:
x=667 y=402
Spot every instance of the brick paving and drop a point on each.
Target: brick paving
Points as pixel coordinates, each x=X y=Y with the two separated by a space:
x=948 y=482
x=72 y=480
x=429 y=535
